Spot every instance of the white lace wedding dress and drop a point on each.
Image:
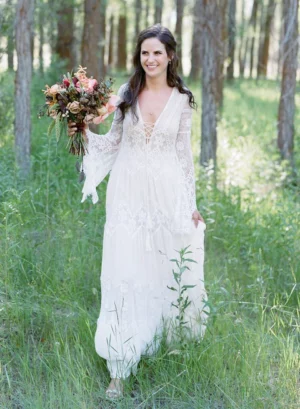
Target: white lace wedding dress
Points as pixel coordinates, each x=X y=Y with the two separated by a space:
x=149 y=205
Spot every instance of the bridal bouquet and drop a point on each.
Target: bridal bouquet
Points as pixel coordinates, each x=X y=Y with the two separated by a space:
x=81 y=100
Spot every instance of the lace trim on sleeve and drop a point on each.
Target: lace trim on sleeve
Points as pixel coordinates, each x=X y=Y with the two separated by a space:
x=102 y=151
x=185 y=155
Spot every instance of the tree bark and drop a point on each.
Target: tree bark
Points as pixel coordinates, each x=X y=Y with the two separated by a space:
x=91 y=37
x=122 y=39
x=23 y=24
x=264 y=54
x=286 y=112
x=65 y=34
x=138 y=14
x=41 y=38
x=261 y=36
x=178 y=29
x=102 y=67
x=52 y=27
x=10 y=35
x=209 y=84
x=158 y=11
x=280 y=45
x=221 y=33
x=10 y=51
x=111 y=43
x=231 y=38
x=197 y=43
x=32 y=38
x=242 y=42
x=147 y=12
x=253 y=22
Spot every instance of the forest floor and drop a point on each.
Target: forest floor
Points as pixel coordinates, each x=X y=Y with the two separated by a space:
x=50 y=264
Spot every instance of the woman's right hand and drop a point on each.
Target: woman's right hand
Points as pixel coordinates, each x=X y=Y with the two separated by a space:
x=72 y=129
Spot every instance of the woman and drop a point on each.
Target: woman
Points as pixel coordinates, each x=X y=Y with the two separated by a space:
x=150 y=209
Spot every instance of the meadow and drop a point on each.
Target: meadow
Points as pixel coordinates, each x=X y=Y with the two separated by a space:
x=50 y=264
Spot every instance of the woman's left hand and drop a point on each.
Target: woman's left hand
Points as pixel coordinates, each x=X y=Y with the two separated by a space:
x=196 y=217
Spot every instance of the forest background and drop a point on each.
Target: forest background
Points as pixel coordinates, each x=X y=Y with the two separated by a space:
x=240 y=59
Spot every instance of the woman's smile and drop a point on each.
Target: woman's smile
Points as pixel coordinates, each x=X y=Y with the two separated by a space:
x=154 y=57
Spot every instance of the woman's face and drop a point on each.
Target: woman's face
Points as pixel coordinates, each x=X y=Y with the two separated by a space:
x=154 y=57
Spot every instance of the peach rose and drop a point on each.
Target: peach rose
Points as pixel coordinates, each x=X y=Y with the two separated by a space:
x=107 y=109
x=74 y=107
x=89 y=118
x=92 y=84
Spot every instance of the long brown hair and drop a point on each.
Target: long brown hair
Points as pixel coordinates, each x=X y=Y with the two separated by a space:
x=137 y=81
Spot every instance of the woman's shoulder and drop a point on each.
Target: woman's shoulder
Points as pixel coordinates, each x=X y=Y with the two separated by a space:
x=183 y=95
x=122 y=89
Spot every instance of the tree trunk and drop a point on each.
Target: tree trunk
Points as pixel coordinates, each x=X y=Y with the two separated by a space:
x=178 y=29
x=253 y=21
x=10 y=52
x=111 y=43
x=158 y=11
x=286 y=110
x=23 y=24
x=261 y=36
x=10 y=34
x=122 y=40
x=147 y=12
x=41 y=38
x=209 y=84
x=102 y=68
x=221 y=44
x=280 y=45
x=231 y=38
x=264 y=55
x=32 y=37
x=242 y=42
x=52 y=27
x=197 y=43
x=65 y=33
x=138 y=14
x=91 y=38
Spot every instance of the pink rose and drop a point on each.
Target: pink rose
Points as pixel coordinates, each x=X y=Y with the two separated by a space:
x=88 y=84
x=55 y=89
x=92 y=84
x=107 y=109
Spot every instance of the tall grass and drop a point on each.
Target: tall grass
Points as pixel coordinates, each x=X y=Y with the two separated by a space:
x=50 y=265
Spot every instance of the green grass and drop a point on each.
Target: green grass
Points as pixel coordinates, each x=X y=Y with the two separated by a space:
x=50 y=264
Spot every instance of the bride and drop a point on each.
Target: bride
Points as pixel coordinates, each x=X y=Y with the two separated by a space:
x=151 y=209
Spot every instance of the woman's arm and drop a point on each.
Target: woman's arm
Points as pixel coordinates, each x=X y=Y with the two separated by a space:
x=102 y=151
x=185 y=156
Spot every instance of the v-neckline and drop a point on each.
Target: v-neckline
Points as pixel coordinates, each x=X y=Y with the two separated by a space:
x=160 y=115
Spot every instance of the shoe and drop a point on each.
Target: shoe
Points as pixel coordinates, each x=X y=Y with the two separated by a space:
x=115 y=393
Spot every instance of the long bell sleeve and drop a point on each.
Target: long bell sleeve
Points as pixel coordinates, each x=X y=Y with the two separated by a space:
x=102 y=151
x=185 y=155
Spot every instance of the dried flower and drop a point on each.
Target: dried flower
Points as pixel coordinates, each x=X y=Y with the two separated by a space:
x=74 y=107
x=89 y=118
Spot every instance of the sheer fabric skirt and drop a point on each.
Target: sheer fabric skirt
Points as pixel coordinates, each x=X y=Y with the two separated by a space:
x=136 y=303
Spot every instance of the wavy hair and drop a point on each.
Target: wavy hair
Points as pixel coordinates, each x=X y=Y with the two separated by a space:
x=137 y=81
